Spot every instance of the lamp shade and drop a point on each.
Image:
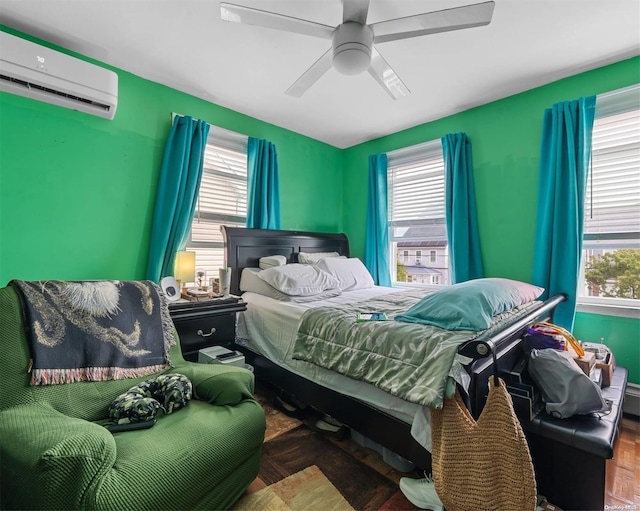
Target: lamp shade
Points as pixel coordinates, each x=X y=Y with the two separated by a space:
x=185 y=268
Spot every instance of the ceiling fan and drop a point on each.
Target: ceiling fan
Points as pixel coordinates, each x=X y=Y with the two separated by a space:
x=353 y=48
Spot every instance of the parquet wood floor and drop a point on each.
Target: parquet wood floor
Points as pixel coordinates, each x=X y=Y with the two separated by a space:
x=623 y=471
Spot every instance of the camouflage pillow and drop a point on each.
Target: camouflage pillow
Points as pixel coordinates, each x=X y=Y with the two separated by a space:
x=174 y=391
x=166 y=392
x=132 y=407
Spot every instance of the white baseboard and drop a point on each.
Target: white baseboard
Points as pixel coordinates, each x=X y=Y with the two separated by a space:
x=632 y=400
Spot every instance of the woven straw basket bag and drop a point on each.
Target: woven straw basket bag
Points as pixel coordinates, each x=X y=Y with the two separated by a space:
x=483 y=465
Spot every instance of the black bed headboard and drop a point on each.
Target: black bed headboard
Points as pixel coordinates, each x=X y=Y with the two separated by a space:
x=245 y=247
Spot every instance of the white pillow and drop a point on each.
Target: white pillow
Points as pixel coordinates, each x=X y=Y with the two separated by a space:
x=271 y=261
x=298 y=279
x=314 y=257
x=250 y=282
x=350 y=272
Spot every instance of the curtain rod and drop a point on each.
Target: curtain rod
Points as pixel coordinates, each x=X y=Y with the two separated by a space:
x=232 y=138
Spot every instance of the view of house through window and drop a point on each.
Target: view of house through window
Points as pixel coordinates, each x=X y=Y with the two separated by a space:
x=222 y=199
x=611 y=246
x=415 y=177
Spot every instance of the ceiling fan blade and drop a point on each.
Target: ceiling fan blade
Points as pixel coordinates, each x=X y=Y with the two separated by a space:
x=311 y=75
x=265 y=19
x=386 y=76
x=355 y=10
x=457 y=18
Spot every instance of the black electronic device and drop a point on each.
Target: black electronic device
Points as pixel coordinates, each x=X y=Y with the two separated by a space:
x=130 y=426
x=225 y=356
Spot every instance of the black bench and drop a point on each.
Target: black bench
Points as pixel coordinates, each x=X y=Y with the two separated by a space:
x=569 y=455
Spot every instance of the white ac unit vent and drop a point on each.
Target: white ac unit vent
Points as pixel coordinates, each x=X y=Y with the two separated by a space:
x=35 y=71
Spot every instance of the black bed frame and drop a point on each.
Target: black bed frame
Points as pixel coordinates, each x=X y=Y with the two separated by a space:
x=244 y=248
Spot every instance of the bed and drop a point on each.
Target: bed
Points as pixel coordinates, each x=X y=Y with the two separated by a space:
x=265 y=331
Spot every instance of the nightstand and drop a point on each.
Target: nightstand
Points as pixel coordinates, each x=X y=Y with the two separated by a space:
x=205 y=323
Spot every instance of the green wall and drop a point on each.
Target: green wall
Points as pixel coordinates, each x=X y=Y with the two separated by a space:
x=77 y=191
x=505 y=137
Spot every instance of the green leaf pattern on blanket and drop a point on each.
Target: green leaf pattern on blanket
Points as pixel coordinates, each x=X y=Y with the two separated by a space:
x=408 y=360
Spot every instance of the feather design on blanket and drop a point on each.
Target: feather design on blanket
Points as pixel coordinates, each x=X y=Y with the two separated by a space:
x=95 y=330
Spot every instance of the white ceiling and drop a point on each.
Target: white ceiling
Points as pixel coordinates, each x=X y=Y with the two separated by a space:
x=184 y=44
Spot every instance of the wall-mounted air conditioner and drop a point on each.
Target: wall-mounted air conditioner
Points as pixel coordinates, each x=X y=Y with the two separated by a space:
x=37 y=72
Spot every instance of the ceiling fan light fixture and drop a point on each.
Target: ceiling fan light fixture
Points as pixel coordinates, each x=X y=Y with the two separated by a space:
x=352 y=48
x=352 y=61
x=352 y=43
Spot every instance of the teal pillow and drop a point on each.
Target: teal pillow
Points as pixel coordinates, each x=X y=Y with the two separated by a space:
x=470 y=305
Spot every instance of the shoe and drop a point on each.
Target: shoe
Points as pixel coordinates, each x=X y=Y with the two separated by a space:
x=329 y=428
x=330 y=420
x=421 y=493
x=288 y=408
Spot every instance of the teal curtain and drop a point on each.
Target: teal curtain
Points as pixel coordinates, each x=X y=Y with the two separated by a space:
x=460 y=210
x=263 y=204
x=376 y=249
x=564 y=162
x=177 y=194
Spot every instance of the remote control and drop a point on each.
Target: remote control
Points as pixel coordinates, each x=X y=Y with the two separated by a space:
x=131 y=426
x=225 y=356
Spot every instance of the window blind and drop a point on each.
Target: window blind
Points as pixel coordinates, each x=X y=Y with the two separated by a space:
x=612 y=200
x=223 y=189
x=416 y=214
x=222 y=199
x=416 y=185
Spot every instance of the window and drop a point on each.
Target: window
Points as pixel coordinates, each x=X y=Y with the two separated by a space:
x=415 y=178
x=610 y=272
x=222 y=199
x=432 y=256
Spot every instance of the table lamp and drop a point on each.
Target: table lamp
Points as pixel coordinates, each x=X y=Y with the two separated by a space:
x=185 y=268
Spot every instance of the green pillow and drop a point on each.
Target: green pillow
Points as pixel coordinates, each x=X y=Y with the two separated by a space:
x=470 y=305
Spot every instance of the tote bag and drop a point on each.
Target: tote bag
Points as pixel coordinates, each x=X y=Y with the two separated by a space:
x=483 y=465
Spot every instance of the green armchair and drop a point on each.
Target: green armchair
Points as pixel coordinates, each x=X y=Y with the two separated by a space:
x=55 y=455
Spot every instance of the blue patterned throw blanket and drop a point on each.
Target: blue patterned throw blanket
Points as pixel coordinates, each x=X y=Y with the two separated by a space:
x=95 y=330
